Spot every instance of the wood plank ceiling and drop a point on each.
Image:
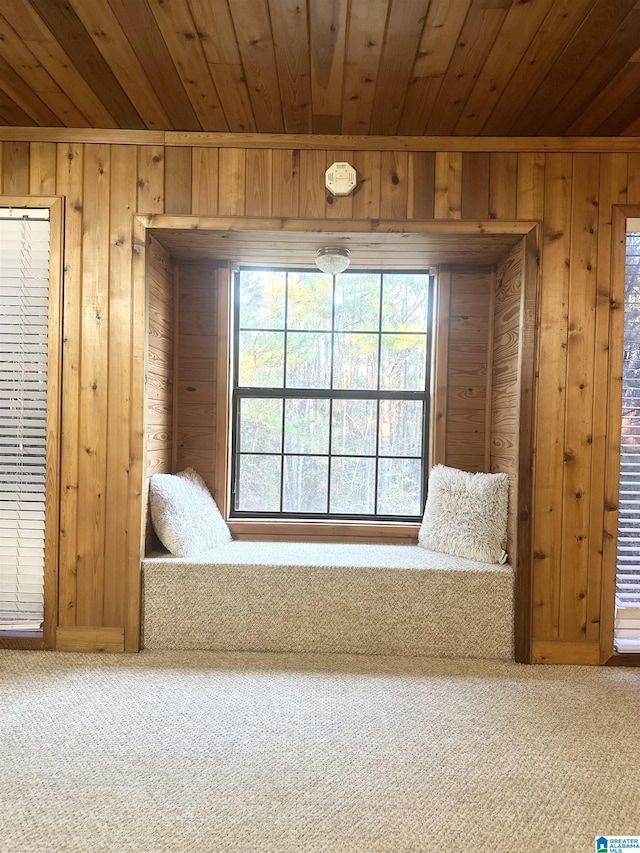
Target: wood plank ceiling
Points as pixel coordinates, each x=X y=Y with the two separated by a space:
x=383 y=67
x=391 y=250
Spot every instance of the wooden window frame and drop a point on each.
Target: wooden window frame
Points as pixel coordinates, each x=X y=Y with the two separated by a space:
x=608 y=656
x=325 y=530
x=17 y=639
x=423 y=396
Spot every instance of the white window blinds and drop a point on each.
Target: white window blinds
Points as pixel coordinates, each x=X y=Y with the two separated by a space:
x=627 y=618
x=24 y=297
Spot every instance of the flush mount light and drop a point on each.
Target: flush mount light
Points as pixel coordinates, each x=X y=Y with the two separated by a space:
x=332 y=259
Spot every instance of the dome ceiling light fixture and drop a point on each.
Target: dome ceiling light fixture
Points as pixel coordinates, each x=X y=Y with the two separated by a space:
x=332 y=259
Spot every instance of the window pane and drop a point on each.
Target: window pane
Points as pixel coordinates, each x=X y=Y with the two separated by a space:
x=399 y=487
x=354 y=427
x=353 y=486
x=400 y=428
x=357 y=302
x=309 y=333
x=308 y=360
x=258 y=487
x=310 y=300
x=403 y=362
x=355 y=362
x=306 y=427
x=305 y=484
x=405 y=302
x=261 y=359
x=261 y=299
x=260 y=425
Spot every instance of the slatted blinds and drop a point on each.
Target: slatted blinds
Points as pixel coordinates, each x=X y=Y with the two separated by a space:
x=24 y=288
x=627 y=621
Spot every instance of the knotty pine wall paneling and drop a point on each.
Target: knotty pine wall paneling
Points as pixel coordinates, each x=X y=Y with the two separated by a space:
x=197 y=304
x=160 y=358
x=551 y=396
x=69 y=185
x=578 y=421
x=160 y=378
x=120 y=374
x=467 y=367
x=285 y=186
x=16 y=168
x=93 y=387
x=570 y=192
x=505 y=380
x=614 y=169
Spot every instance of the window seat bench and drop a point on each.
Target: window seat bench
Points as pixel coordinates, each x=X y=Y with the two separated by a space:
x=328 y=598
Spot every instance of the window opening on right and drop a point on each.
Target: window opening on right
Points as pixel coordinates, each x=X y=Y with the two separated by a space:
x=627 y=612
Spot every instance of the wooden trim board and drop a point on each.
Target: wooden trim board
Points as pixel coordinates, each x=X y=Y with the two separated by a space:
x=323 y=141
x=224 y=287
x=440 y=366
x=78 y=638
x=526 y=440
x=354 y=226
x=561 y=652
x=325 y=531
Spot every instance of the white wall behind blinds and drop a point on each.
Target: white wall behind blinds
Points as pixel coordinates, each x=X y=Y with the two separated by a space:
x=24 y=298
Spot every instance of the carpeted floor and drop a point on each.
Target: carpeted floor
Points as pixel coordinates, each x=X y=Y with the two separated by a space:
x=262 y=753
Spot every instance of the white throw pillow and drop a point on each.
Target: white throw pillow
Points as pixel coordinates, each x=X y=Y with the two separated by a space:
x=466 y=514
x=185 y=515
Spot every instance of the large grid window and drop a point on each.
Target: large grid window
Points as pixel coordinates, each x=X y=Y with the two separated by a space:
x=331 y=394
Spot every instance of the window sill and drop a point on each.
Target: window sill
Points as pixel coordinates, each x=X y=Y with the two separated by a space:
x=325 y=531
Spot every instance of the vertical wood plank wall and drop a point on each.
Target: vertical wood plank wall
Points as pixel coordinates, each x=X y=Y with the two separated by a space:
x=196 y=369
x=466 y=408
x=104 y=184
x=160 y=365
x=505 y=379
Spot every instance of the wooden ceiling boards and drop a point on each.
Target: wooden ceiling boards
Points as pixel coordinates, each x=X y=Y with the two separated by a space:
x=356 y=67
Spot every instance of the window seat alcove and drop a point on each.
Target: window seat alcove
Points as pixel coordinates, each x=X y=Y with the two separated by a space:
x=328 y=598
x=340 y=596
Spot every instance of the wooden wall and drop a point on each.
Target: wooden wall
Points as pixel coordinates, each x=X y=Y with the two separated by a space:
x=196 y=321
x=104 y=329
x=466 y=432
x=160 y=366
x=505 y=380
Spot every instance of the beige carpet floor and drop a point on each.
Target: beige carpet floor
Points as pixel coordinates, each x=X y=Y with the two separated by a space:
x=262 y=753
